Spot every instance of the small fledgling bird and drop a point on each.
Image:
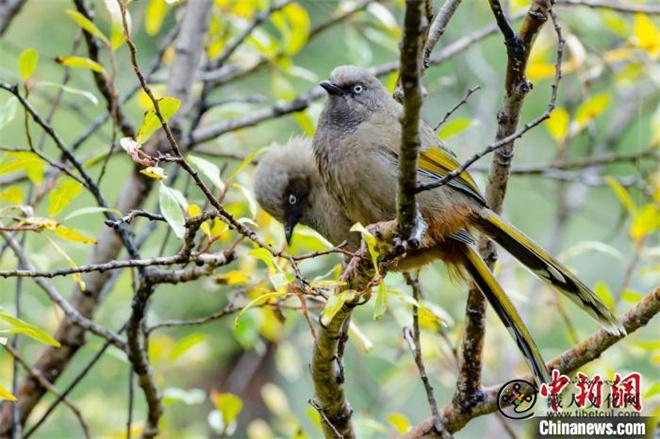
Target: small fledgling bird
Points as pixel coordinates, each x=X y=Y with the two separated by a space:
x=356 y=147
x=289 y=187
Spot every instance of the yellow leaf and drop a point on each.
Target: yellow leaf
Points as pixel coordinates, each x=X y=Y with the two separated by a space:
x=616 y=55
x=592 y=108
x=454 y=127
x=299 y=21
x=334 y=304
x=63 y=194
x=73 y=235
x=86 y=24
x=557 y=124
x=20 y=327
x=13 y=195
x=6 y=394
x=645 y=220
x=206 y=229
x=153 y=19
x=305 y=122
x=540 y=70
x=232 y=278
x=27 y=62
x=381 y=301
x=167 y=106
x=604 y=293
x=219 y=227
x=25 y=161
x=194 y=210
x=622 y=194
x=647 y=35
x=155 y=172
x=399 y=421
x=229 y=406
x=81 y=62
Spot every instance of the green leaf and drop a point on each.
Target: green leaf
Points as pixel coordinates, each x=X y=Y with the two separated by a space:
x=76 y=91
x=185 y=344
x=258 y=301
x=8 y=111
x=63 y=194
x=27 y=62
x=80 y=62
x=371 y=243
x=246 y=161
x=208 y=169
x=334 y=304
x=454 y=127
x=117 y=27
x=381 y=301
x=186 y=396
x=229 y=406
x=90 y=210
x=167 y=106
x=601 y=289
x=557 y=124
x=654 y=390
x=359 y=337
x=172 y=211
x=275 y=400
x=153 y=18
x=282 y=89
x=252 y=202
x=88 y=25
x=25 y=161
x=20 y=327
x=6 y=394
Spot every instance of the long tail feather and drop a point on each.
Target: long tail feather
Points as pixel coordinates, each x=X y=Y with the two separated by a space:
x=507 y=313
x=549 y=270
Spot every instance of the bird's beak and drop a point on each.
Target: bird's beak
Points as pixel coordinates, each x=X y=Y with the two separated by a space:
x=331 y=88
x=289 y=225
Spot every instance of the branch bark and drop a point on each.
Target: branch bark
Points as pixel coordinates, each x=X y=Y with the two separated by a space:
x=519 y=46
x=412 y=42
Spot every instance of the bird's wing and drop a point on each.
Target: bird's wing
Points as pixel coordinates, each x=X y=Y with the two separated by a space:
x=435 y=162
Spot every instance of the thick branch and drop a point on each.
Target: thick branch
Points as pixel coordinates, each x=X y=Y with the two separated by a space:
x=516 y=87
x=410 y=72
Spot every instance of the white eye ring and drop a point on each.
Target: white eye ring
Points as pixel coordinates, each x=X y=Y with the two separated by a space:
x=292 y=199
x=358 y=89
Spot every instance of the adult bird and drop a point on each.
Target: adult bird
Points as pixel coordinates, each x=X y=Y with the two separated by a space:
x=356 y=147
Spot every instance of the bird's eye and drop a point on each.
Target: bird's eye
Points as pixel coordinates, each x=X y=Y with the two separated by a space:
x=292 y=199
x=358 y=88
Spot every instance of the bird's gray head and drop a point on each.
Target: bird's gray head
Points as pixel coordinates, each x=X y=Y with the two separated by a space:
x=284 y=180
x=353 y=92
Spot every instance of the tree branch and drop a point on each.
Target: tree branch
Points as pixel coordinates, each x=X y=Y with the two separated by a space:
x=409 y=73
x=516 y=87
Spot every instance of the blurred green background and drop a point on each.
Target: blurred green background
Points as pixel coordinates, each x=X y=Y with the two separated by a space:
x=263 y=359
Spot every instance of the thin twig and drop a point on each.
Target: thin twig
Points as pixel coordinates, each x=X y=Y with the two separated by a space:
x=457 y=106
